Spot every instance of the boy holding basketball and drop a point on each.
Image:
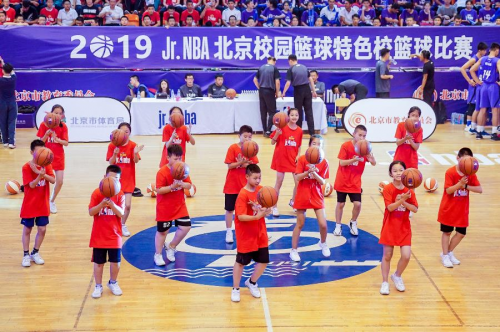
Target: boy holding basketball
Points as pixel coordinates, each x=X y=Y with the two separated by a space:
x=235 y=178
x=348 y=180
x=251 y=234
x=454 y=209
x=106 y=239
x=35 y=207
x=408 y=143
x=170 y=207
x=178 y=136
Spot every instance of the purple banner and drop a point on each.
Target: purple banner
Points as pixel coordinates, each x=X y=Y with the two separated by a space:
x=157 y=48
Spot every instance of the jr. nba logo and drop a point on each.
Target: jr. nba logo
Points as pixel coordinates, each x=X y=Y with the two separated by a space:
x=163 y=119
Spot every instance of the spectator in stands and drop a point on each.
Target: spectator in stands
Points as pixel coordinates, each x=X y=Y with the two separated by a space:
x=10 y=12
x=319 y=87
x=217 y=89
x=67 y=15
x=190 y=90
x=347 y=12
x=318 y=23
x=2 y=17
x=410 y=22
x=248 y=13
x=164 y=87
x=153 y=15
x=42 y=20
x=382 y=75
x=420 y=4
x=112 y=14
x=460 y=4
x=497 y=21
x=8 y=105
x=426 y=16
x=134 y=6
x=29 y=12
x=408 y=11
x=367 y=14
x=231 y=11
x=468 y=16
x=123 y=21
x=457 y=22
x=137 y=88
x=381 y=5
x=376 y=22
x=355 y=20
x=272 y=12
x=189 y=23
x=447 y=12
x=210 y=14
x=190 y=11
x=79 y=21
x=89 y=12
x=486 y=13
x=309 y=16
x=300 y=7
x=287 y=11
x=389 y=16
x=146 y=20
x=427 y=87
x=438 y=21
x=171 y=12
x=233 y=23
x=331 y=14
x=171 y=23
x=251 y=22
x=50 y=12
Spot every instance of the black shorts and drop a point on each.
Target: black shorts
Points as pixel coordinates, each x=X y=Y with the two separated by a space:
x=259 y=256
x=230 y=201
x=449 y=229
x=39 y=221
x=99 y=255
x=354 y=197
x=470 y=109
x=163 y=226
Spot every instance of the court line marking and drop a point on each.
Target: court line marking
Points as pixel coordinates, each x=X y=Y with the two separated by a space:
x=84 y=301
x=267 y=313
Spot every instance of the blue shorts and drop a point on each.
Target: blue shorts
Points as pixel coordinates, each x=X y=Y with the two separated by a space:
x=39 y=221
x=489 y=95
x=471 y=95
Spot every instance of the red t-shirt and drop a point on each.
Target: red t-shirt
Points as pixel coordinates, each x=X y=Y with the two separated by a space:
x=250 y=235
x=405 y=152
x=36 y=200
x=10 y=14
x=286 y=149
x=51 y=14
x=309 y=193
x=155 y=17
x=107 y=227
x=348 y=179
x=181 y=137
x=166 y=15
x=454 y=208
x=57 y=148
x=212 y=15
x=396 y=230
x=125 y=160
x=169 y=206
x=235 y=178
x=194 y=14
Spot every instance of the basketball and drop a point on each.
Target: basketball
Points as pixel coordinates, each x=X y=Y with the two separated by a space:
x=43 y=157
x=230 y=93
x=468 y=165
x=190 y=192
x=267 y=197
x=363 y=148
x=52 y=120
x=12 y=187
x=314 y=155
x=411 y=178
x=179 y=170
x=151 y=189
x=280 y=119
x=327 y=189
x=382 y=185
x=250 y=149
x=177 y=120
x=430 y=185
x=412 y=126
x=109 y=187
x=118 y=137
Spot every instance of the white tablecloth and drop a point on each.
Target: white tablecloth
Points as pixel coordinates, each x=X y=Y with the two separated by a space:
x=211 y=116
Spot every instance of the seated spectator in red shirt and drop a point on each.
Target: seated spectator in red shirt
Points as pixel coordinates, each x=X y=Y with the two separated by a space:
x=211 y=14
x=190 y=11
x=189 y=23
x=89 y=12
x=10 y=13
x=2 y=17
x=153 y=15
x=171 y=22
x=170 y=13
x=146 y=20
x=50 y=12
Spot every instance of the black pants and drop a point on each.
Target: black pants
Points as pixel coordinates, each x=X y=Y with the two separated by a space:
x=139 y=5
x=360 y=91
x=428 y=95
x=267 y=99
x=302 y=98
x=383 y=95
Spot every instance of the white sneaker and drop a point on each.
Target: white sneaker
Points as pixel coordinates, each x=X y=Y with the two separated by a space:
x=97 y=292
x=254 y=289
x=294 y=255
x=338 y=230
x=384 y=290
x=12 y=146
x=5 y=145
x=453 y=259
x=26 y=261
x=235 y=295
x=353 y=226
x=125 y=231
x=467 y=128
x=53 y=207
x=115 y=289
x=170 y=253
x=276 y=213
x=158 y=258
x=37 y=259
x=324 y=249
x=398 y=282
x=229 y=236
x=445 y=259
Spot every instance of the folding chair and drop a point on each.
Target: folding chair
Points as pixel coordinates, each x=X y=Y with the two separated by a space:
x=340 y=105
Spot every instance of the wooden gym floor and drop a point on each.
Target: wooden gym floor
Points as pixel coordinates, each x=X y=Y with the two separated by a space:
x=56 y=296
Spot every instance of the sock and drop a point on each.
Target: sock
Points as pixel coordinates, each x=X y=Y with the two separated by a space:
x=35 y=251
x=98 y=285
x=112 y=282
x=494 y=130
x=236 y=288
x=473 y=125
x=353 y=221
x=229 y=229
x=480 y=129
x=469 y=122
x=26 y=253
x=253 y=283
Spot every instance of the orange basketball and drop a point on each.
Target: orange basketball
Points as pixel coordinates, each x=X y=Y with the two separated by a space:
x=190 y=192
x=363 y=148
x=314 y=155
x=249 y=149
x=411 y=178
x=118 y=137
x=12 y=187
x=109 y=187
x=230 y=93
x=412 y=126
x=280 y=119
x=151 y=189
x=267 y=197
x=179 y=170
x=327 y=189
x=52 y=120
x=468 y=165
x=43 y=157
x=177 y=120
x=430 y=185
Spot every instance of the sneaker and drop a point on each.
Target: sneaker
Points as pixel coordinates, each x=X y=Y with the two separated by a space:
x=324 y=249
x=384 y=289
x=37 y=259
x=229 y=236
x=158 y=258
x=170 y=253
x=276 y=213
x=467 y=128
x=484 y=133
x=235 y=295
x=5 y=145
x=115 y=289
x=53 y=207
x=12 y=146
x=254 y=289
x=338 y=230
x=398 y=282
x=479 y=136
x=97 y=292
x=294 y=255
x=353 y=227
x=472 y=131
x=26 y=261
x=495 y=137
x=453 y=259
x=445 y=259
x=125 y=231
x=268 y=134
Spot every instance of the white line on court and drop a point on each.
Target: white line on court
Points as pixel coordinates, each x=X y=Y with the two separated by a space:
x=267 y=314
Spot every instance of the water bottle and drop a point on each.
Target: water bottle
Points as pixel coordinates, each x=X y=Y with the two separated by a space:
x=138 y=95
x=394 y=62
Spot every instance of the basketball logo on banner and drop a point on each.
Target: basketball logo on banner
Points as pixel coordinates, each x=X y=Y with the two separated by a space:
x=101 y=46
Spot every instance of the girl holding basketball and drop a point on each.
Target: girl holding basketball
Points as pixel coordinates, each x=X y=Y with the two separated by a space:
x=177 y=136
x=125 y=156
x=56 y=139
x=396 y=229
x=310 y=178
x=288 y=141
x=408 y=143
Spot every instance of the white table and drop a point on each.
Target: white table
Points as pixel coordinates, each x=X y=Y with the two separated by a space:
x=211 y=116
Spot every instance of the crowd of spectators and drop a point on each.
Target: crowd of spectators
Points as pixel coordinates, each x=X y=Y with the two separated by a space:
x=250 y=13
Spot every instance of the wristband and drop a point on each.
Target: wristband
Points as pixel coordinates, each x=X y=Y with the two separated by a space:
x=466 y=185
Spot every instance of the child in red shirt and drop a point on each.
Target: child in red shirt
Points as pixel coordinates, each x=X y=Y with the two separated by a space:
x=173 y=135
x=348 y=180
x=105 y=238
x=396 y=229
x=56 y=139
x=235 y=178
x=408 y=144
x=35 y=207
x=288 y=142
x=251 y=234
x=170 y=207
x=454 y=209
x=310 y=178
x=125 y=156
